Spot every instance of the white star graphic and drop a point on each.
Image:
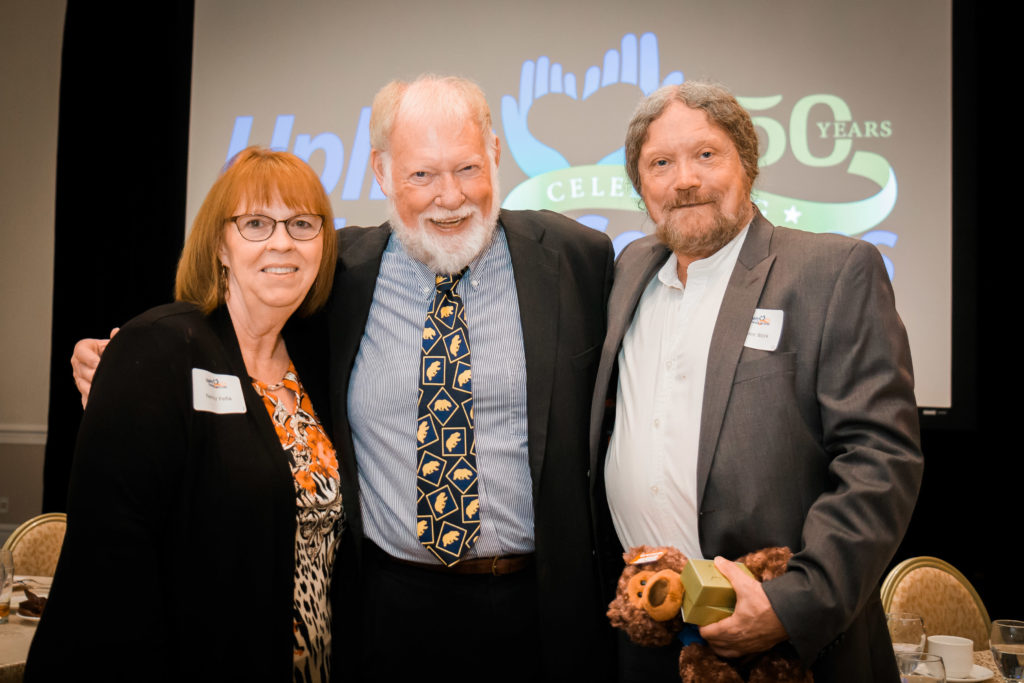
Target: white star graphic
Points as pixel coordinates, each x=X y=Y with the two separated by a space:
x=793 y=215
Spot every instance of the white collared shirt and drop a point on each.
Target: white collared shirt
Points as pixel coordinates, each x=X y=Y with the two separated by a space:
x=651 y=468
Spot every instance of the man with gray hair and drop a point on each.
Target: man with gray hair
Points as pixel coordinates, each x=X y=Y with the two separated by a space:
x=763 y=396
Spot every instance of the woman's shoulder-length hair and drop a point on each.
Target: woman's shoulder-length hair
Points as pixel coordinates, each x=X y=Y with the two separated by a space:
x=254 y=177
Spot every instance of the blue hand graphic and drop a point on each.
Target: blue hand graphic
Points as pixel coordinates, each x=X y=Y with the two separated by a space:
x=885 y=238
x=600 y=223
x=532 y=155
x=637 y=63
x=593 y=220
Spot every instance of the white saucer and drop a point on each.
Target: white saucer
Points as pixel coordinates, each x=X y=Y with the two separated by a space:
x=978 y=673
x=28 y=618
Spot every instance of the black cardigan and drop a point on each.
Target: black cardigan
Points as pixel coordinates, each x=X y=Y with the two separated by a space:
x=179 y=557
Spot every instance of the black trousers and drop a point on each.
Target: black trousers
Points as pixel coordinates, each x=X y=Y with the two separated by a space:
x=638 y=664
x=463 y=627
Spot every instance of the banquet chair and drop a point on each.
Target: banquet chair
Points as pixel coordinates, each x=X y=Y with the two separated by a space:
x=943 y=597
x=36 y=544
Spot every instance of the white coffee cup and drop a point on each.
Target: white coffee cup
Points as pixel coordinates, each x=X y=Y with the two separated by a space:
x=957 y=654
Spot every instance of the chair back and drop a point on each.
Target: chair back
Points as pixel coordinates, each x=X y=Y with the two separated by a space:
x=36 y=544
x=943 y=597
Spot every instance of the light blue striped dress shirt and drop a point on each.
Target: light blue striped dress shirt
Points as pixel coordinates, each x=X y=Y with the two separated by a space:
x=383 y=403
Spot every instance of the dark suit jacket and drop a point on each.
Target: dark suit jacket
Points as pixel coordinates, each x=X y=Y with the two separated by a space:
x=814 y=445
x=563 y=274
x=179 y=554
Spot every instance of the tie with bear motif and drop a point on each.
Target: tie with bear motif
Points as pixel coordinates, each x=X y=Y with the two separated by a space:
x=447 y=507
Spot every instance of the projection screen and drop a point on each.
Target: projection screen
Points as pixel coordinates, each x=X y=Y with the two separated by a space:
x=852 y=103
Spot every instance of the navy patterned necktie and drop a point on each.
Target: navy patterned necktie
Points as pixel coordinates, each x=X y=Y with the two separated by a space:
x=447 y=507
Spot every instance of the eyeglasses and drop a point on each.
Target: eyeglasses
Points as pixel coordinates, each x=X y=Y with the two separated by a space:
x=257 y=228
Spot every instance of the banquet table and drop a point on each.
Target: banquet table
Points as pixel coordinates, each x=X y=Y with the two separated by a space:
x=16 y=635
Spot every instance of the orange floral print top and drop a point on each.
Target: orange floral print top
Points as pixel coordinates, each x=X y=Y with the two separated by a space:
x=319 y=513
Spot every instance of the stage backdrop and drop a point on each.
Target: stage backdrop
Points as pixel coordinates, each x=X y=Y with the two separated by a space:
x=852 y=103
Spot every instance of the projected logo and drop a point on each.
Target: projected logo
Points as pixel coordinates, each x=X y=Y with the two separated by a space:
x=821 y=133
x=555 y=184
x=603 y=185
x=840 y=129
x=333 y=149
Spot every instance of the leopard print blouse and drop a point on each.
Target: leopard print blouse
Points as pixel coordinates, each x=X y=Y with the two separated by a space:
x=319 y=512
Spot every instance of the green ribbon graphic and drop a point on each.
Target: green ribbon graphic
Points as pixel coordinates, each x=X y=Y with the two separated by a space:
x=606 y=186
x=598 y=186
x=846 y=218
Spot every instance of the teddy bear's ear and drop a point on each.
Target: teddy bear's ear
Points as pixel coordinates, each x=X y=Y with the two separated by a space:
x=663 y=595
x=767 y=563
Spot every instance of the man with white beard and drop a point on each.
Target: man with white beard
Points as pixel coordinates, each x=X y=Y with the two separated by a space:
x=502 y=584
x=521 y=602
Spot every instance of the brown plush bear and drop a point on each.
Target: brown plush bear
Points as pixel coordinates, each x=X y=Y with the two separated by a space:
x=626 y=611
x=646 y=607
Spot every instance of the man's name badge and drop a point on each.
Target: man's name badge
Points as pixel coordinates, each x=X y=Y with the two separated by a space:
x=765 y=329
x=216 y=393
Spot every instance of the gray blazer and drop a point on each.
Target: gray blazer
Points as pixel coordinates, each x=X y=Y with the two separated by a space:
x=814 y=445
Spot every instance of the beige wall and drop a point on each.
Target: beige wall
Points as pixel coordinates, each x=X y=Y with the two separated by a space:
x=31 y=34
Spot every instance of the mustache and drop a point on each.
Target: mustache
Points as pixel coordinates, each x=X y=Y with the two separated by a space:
x=688 y=197
x=442 y=215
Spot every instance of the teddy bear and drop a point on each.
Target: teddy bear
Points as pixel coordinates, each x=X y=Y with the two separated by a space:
x=647 y=605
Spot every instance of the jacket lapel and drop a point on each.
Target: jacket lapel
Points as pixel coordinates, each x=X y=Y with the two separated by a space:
x=631 y=278
x=536 y=273
x=354 y=283
x=256 y=411
x=349 y=308
x=630 y=283
x=730 y=333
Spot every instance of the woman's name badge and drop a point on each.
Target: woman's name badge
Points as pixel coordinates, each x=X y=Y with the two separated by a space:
x=216 y=393
x=765 y=329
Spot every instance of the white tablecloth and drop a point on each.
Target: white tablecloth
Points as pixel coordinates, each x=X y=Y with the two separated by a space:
x=16 y=635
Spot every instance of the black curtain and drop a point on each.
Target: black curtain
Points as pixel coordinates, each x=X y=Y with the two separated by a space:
x=121 y=169
x=972 y=490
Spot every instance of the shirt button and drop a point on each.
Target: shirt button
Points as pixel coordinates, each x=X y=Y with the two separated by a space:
x=657 y=422
x=654 y=489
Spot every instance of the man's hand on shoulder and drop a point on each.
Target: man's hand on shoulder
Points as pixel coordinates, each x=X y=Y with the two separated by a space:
x=753 y=626
x=84 y=361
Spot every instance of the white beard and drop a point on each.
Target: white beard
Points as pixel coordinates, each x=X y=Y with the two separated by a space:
x=448 y=252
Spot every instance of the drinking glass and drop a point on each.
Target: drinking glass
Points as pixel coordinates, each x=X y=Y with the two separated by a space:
x=1007 y=645
x=6 y=583
x=906 y=630
x=917 y=667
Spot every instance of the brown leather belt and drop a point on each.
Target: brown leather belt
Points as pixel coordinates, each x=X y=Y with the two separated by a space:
x=496 y=566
